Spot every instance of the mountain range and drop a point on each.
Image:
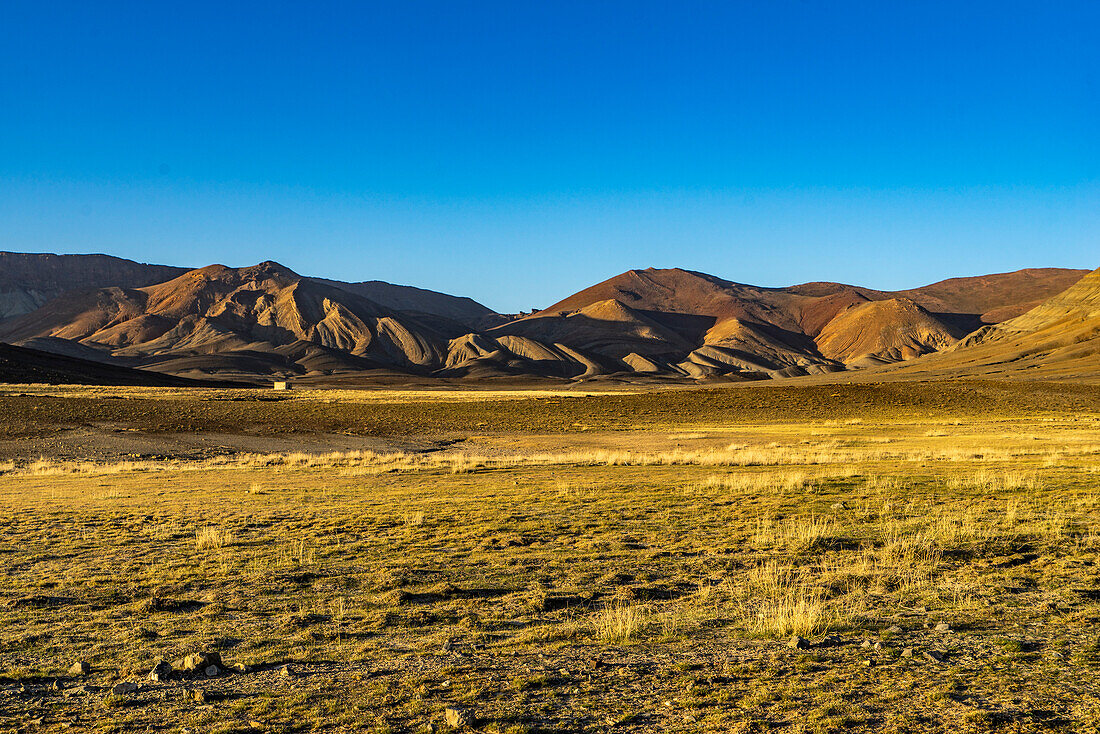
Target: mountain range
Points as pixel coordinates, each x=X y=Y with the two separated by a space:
x=267 y=322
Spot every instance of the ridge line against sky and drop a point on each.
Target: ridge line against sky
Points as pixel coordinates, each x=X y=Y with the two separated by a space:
x=516 y=153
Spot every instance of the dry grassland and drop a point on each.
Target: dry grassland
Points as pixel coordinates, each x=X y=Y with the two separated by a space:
x=941 y=570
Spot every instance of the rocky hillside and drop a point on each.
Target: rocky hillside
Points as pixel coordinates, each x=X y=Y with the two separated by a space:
x=28 y=280
x=267 y=321
x=699 y=325
x=1060 y=338
x=264 y=319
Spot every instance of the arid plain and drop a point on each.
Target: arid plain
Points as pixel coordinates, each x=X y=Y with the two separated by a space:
x=854 y=556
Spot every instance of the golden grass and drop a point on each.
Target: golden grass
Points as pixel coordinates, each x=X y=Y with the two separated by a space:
x=210 y=536
x=499 y=575
x=620 y=623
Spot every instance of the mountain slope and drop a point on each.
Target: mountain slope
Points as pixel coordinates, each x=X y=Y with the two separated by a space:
x=1058 y=338
x=266 y=321
x=804 y=328
x=990 y=299
x=462 y=310
x=218 y=318
x=879 y=332
x=28 y=280
x=22 y=365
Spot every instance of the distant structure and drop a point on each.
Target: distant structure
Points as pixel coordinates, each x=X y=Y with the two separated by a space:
x=282 y=385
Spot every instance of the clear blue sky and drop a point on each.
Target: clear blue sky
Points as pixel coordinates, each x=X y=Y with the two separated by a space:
x=518 y=151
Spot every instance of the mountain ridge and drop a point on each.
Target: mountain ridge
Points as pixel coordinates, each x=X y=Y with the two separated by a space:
x=266 y=321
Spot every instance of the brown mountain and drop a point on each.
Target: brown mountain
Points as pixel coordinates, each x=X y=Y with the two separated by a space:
x=1058 y=338
x=267 y=320
x=734 y=328
x=237 y=321
x=880 y=332
x=28 y=280
x=425 y=303
x=989 y=299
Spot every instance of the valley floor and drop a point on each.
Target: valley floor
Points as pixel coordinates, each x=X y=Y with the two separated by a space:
x=608 y=562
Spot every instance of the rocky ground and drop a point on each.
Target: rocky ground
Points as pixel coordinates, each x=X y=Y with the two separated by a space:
x=893 y=573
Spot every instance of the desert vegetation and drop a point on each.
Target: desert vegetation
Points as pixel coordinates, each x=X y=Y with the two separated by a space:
x=836 y=574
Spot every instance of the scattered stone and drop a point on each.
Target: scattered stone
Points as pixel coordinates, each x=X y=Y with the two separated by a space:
x=456 y=717
x=798 y=643
x=212 y=671
x=80 y=668
x=238 y=668
x=878 y=645
x=161 y=672
x=907 y=652
x=197 y=695
x=124 y=687
x=840 y=505
x=198 y=662
x=933 y=656
x=285 y=671
x=894 y=630
x=869 y=663
x=830 y=641
x=866 y=643
x=943 y=627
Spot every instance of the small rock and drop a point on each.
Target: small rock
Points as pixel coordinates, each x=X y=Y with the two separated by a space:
x=866 y=643
x=198 y=662
x=238 y=668
x=161 y=672
x=80 y=668
x=285 y=671
x=124 y=687
x=869 y=663
x=907 y=652
x=894 y=630
x=830 y=641
x=878 y=645
x=840 y=505
x=943 y=627
x=798 y=643
x=933 y=656
x=212 y=671
x=456 y=717
x=197 y=695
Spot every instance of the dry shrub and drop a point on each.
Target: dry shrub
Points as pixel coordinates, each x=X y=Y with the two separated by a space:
x=212 y=537
x=794 y=533
x=620 y=623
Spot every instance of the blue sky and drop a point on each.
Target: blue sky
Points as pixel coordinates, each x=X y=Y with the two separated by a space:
x=518 y=151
